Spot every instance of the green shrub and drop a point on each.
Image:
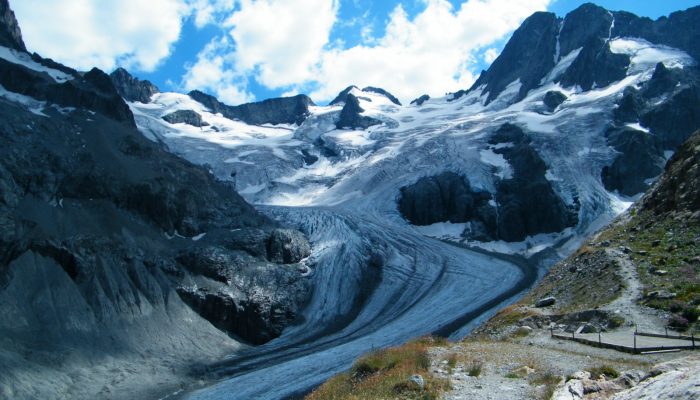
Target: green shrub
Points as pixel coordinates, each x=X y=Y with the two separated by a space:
x=607 y=370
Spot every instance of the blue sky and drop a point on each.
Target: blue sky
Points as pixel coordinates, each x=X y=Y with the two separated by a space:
x=245 y=50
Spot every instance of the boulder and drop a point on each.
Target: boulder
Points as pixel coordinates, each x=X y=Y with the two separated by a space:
x=417 y=380
x=545 y=302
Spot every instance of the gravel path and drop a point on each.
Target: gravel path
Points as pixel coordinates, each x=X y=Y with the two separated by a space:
x=646 y=319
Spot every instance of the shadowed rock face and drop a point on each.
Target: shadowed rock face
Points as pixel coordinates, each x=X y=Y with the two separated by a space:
x=284 y=110
x=639 y=160
x=10 y=34
x=543 y=39
x=526 y=203
x=132 y=89
x=553 y=99
x=350 y=116
x=420 y=100
x=678 y=189
x=188 y=117
x=447 y=197
x=528 y=56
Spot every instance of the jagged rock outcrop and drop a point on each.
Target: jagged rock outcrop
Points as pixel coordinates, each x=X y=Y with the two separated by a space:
x=384 y=93
x=596 y=66
x=448 y=197
x=528 y=56
x=350 y=115
x=188 y=117
x=640 y=159
x=543 y=39
x=420 y=100
x=132 y=89
x=93 y=90
x=283 y=110
x=553 y=99
x=527 y=203
x=10 y=34
x=678 y=189
x=342 y=96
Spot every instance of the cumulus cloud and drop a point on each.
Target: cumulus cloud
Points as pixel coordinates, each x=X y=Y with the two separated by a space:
x=490 y=55
x=284 y=44
x=85 y=33
x=213 y=72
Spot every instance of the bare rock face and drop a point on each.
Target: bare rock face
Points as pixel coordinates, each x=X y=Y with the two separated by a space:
x=640 y=159
x=350 y=116
x=132 y=89
x=678 y=190
x=188 y=117
x=283 y=110
x=526 y=203
x=10 y=34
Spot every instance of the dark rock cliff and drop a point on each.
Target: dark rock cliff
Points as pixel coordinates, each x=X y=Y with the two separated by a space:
x=284 y=110
x=132 y=89
x=10 y=34
x=524 y=204
x=350 y=115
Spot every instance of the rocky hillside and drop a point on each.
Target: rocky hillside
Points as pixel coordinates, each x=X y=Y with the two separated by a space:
x=114 y=251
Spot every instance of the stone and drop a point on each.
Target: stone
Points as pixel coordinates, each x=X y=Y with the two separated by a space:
x=448 y=197
x=661 y=295
x=545 y=302
x=417 y=380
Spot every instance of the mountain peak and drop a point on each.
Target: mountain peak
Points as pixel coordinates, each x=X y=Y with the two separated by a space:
x=10 y=34
x=131 y=88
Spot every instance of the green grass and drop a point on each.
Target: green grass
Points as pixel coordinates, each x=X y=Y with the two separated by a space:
x=607 y=370
x=385 y=374
x=550 y=382
x=474 y=369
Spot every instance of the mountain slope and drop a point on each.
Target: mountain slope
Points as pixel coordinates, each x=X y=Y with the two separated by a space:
x=118 y=259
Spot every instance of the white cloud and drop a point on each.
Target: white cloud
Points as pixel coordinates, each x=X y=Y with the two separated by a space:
x=213 y=72
x=432 y=52
x=490 y=55
x=208 y=11
x=85 y=33
x=284 y=44
x=282 y=40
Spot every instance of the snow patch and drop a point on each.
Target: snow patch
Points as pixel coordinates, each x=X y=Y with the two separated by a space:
x=24 y=59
